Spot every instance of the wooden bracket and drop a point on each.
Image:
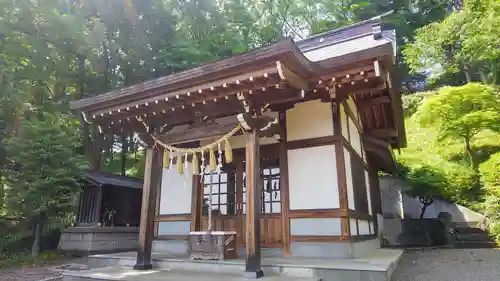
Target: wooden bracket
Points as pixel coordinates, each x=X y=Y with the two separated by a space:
x=293 y=79
x=266 y=126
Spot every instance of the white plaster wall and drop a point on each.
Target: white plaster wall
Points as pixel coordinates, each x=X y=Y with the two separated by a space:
x=348 y=177
x=174 y=227
x=355 y=137
x=315 y=226
x=364 y=227
x=368 y=195
x=176 y=191
x=313 y=178
x=308 y=120
x=352 y=225
x=343 y=122
x=372 y=230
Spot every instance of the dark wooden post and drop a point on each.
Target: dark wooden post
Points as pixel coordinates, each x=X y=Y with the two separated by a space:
x=152 y=180
x=98 y=204
x=341 y=172
x=254 y=186
x=285 y=197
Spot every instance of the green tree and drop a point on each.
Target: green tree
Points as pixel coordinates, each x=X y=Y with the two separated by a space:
x=466 y=42
x=461 y=113
x=426 y=183
x=490 y=170
x=44 y=181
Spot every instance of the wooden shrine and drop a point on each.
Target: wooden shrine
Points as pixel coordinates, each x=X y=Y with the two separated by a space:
x=276 y=148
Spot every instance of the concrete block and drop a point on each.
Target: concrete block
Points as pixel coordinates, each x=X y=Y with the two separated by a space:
x=172 y=246
x=88 y=237
x=321 y=250
x=101 y=246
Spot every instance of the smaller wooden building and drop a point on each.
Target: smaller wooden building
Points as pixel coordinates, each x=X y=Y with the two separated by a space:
x=310 y=124
x=109 y=204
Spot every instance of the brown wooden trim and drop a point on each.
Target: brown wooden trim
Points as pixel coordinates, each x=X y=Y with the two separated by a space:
x=155 y=227
x=179 y=217
x=172 y=237
x=349 y=148
x=357 y=226
x=321 y=141
x=196 y=203
x=332 y=238
x=352 y=115
x=359 y=215
x=318 y=213
x=314 y=238
x=285 y=196
x=347 y=125
x=360 y=238
x=340 y=163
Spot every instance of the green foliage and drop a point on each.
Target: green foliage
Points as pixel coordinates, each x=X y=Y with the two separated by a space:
x=412 y=102
x=44 y=180
x=425 y=182
x=425 y=153
x=25 y=259
x=490 y=171
x=465 y=41
x=461 y=112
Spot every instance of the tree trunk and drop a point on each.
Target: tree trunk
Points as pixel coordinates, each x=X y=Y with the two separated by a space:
x=37 y=234
x=124 y=152
x=470 y=153
x=422 y=212
x=426 y=201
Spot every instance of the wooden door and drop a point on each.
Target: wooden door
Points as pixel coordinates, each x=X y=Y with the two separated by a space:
x=228 y=204
x=270 y=216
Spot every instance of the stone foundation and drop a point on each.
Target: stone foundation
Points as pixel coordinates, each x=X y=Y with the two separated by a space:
x=333 y=249
x=99 y=239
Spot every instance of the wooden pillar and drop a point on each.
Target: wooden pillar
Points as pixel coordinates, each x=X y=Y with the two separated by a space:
x=152 y=179
x=285 y=197
x=341 y=173
x=196 y=203
x=254 y=192
x=98 y=204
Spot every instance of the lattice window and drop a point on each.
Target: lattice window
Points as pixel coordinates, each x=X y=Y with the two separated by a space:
x=223 y=194
x=271 y=191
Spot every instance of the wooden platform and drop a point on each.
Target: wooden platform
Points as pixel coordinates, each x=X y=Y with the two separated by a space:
x=378 y=266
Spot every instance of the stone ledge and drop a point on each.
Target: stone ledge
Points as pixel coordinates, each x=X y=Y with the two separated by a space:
x=101 y=229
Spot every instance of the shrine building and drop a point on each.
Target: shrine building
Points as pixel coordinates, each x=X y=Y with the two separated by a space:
x=276 y=150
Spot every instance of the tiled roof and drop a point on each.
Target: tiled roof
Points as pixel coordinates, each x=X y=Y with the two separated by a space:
x=101 y=178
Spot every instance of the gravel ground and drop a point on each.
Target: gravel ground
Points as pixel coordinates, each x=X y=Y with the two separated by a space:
x=39 y=273
x=449 y=265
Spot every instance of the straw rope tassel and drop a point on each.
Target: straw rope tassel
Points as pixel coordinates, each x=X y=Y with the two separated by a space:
x=166 y=159
x=196 y=167
x=228 y=152
x=213 y=161
x=180 y=169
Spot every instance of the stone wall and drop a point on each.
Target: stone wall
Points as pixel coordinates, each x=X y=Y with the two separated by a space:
x=99 y=239
x=397 y=205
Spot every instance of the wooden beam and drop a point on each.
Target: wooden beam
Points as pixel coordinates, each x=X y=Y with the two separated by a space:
x=285 y=196
x=382 y=133
x=374 y=101
x=254 y=186
x=340 y=163
x=152 y=178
